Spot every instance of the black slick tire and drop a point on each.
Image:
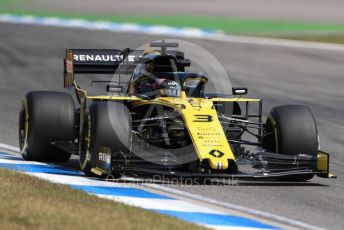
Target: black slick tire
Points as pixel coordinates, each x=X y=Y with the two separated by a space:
x=105 y=124
x=46 y=117
x=293 y=130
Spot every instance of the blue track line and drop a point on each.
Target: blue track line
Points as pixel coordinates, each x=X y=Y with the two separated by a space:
x=33 y=168
x=119 y=191
x=216 y=219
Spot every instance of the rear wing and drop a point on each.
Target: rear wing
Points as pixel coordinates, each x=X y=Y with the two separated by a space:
x=105 y=61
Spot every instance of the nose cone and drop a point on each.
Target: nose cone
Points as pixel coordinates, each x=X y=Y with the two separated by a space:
x=217 y=160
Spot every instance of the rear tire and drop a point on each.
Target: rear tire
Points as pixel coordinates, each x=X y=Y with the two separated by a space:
x=105 y=124
x=46 y=117
x=291 y=130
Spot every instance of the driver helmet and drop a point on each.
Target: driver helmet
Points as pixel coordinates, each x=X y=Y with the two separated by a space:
x=146 y=86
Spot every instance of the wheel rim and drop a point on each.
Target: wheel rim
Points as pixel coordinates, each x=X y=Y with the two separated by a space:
x=84 y=146
x=23 y=130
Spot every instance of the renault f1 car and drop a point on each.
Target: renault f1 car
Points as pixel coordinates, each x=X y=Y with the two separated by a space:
x=161 y=121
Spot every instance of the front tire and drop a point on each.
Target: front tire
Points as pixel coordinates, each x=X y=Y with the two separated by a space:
x=46 y=117
x=291 y=130
x=105 y=124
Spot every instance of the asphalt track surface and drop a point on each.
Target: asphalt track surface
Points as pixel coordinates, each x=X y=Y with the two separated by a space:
x=31 y=59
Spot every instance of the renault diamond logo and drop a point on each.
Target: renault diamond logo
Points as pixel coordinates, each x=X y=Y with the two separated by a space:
x=216 y=153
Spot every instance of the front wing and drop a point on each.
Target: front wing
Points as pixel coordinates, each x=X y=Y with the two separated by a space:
x=277 y=167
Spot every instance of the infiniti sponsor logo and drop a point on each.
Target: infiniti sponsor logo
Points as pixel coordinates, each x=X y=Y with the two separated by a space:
x=172 y=83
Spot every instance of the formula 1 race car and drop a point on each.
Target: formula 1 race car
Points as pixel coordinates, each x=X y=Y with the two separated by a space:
x=161 y=121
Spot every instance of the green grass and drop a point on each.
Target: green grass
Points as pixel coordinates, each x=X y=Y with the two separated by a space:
x=31 y=203
x=330 y=38
x=228 y=25
x=322 y=32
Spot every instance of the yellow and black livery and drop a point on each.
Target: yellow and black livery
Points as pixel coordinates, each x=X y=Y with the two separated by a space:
x=162 y=121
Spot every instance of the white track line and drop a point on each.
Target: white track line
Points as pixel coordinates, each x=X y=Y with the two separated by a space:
x=161 y=204
x=9 y=147
x=20 y=161
x=250 y=211
x=262 y=214
x=74 y=180
x=165 y=30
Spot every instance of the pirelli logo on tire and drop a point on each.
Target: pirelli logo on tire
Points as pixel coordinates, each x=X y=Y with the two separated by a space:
x=202 y=118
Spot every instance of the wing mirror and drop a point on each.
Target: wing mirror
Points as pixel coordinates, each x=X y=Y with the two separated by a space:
x=239 y=91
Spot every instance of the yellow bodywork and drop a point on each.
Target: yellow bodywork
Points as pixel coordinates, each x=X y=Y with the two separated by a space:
x=323 y=164
x=235 y=99
x=207 y=134
x=322 y=161
x=114 y=97
x=201 y=120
